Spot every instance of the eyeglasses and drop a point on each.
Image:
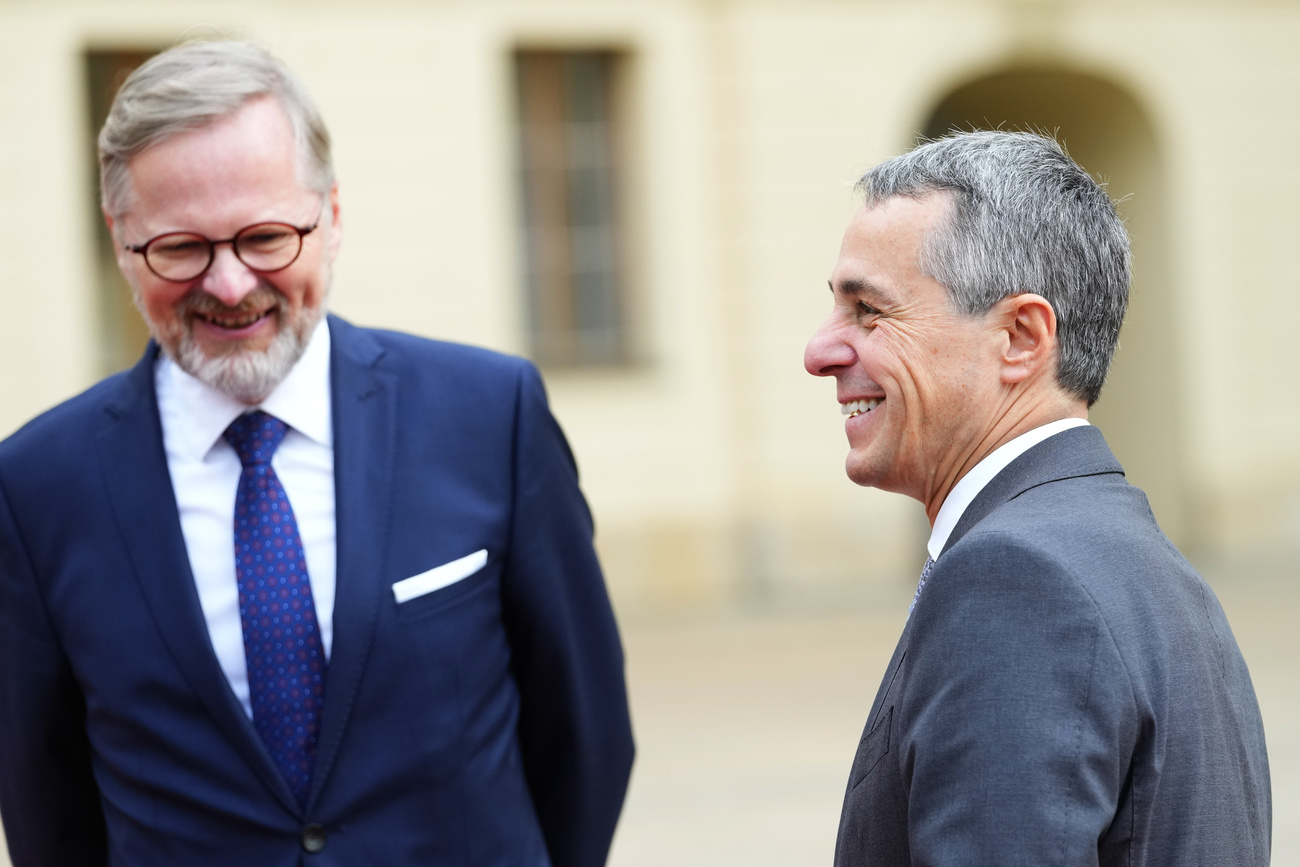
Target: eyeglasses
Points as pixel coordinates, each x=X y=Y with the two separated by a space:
x=180 y=257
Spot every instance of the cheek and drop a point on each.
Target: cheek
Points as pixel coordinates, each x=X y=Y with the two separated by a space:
x=310 y=294
x=925 y=367
x=950 y=391
x=159 y=299
x=302 y=287
x=897 y=364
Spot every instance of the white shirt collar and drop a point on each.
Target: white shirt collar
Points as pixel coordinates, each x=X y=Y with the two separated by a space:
x=968 y=487
x=196 y=414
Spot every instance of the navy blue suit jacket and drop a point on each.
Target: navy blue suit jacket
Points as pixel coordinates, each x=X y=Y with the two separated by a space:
x=1066 y=692
x=484 y=723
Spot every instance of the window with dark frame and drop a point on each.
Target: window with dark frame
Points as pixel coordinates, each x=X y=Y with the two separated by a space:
x=568 y=147
x=123 y=334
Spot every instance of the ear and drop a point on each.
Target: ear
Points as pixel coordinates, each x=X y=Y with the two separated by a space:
x=120 y=252
x=336 y=223
x=1027 y=327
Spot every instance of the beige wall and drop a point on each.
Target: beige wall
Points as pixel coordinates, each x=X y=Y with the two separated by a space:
x=715 y=467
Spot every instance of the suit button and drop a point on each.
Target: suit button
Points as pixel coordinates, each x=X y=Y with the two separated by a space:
x=313 y=838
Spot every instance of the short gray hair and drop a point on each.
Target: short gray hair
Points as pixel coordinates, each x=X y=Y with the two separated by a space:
x=196 y=84
x=1024 y=218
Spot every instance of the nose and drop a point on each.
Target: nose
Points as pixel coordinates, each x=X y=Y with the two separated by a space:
x=228 y=279
x=827 y=352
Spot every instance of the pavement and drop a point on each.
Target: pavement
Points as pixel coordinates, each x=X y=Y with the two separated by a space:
x=746 y=721
x=746 y=724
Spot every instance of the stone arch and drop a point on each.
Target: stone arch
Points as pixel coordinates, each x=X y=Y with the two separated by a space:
x=1107 y=132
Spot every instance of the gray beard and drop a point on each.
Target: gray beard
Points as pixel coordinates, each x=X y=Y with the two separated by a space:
x=247 y=376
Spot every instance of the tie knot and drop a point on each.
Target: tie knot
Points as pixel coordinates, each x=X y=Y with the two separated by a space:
x=255 y=437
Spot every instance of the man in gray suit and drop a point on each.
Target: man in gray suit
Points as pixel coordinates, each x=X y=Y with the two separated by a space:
x=1067 y=690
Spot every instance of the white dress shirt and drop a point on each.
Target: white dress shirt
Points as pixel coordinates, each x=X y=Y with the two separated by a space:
x=968 y=487
x=205 y=476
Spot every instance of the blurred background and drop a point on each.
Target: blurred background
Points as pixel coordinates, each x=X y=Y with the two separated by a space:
x=646 y=197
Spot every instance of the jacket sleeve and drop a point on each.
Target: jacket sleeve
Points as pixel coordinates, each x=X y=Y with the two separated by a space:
x=48 y=796
x=574 y=726
x=1019 y=717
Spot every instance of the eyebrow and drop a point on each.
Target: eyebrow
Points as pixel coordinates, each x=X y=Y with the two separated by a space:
x=857 y=288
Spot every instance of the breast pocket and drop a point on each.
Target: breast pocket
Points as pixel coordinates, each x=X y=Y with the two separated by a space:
x=873 y=747
x=459 y=591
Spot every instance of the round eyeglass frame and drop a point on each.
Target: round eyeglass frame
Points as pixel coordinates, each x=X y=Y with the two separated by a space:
x=233 y=241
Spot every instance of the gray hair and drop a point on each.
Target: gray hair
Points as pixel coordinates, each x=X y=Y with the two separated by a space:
x=196 y=84
x=1024 y=218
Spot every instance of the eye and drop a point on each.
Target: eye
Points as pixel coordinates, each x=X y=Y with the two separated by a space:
x=266 y=237
x=177 y=245
x=865 y=313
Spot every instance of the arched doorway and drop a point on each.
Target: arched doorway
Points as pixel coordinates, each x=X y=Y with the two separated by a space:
x=1105 y=130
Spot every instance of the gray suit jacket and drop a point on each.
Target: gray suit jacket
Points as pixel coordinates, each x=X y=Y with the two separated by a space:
x=1066 y=692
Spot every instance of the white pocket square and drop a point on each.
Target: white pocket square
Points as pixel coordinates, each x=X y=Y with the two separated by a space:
x=439 y=576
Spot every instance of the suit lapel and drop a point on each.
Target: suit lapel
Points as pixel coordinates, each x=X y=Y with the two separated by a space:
x=891 y=675
x=1079 y=451
x=139 y=487
x=365 y=427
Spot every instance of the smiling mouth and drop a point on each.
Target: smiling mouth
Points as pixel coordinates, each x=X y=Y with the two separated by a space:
x=855 y=408
x=233 y=321
x=252 y=309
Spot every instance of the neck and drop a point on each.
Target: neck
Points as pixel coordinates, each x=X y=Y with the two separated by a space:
x=1020 y=420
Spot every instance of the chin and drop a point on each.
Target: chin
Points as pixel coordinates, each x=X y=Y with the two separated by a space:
x=864 y=471
x=859 y=474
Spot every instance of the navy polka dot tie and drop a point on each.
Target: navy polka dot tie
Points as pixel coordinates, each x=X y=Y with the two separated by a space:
x=286 y=664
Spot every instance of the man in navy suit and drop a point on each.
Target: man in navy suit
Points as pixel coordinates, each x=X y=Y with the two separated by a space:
x=1067 y=690
x=290 y=591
